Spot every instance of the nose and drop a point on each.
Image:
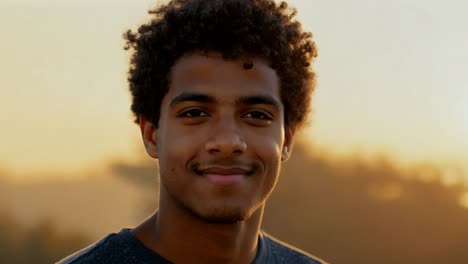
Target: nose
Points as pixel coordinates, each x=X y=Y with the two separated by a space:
x=226 y=141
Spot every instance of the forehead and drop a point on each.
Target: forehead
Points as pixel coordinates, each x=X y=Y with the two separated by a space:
x=212 y=74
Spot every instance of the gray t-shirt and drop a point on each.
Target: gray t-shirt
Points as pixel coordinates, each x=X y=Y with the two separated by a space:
x=124 y=247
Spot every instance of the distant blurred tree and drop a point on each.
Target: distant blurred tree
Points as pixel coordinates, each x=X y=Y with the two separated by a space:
x=143 y=174
x=9 y=237
x=350 y=211
x=40 y=244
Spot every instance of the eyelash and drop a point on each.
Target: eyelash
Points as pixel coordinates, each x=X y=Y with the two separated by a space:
x=189 y=113
x=265 y=116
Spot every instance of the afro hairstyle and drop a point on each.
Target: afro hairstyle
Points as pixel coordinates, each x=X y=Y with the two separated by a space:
x=232 y=28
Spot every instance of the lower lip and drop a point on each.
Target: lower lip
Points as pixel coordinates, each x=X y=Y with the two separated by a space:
x=221 y=179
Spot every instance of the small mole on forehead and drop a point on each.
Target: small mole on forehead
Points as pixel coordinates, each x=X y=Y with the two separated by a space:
x=248 y=65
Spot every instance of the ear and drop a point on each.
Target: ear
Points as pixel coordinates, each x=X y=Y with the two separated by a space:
x=149 y=136
x=288 y=143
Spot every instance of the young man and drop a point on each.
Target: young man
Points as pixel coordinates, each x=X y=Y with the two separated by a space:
x=219 y=87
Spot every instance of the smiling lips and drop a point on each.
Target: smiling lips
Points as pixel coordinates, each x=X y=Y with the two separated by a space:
x=224 y=175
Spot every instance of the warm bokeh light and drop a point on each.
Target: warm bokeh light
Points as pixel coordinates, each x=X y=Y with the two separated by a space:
x=452 y=176
x=464 y=200
x=390 y=79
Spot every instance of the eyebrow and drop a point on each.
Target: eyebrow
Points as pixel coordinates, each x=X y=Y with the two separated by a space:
x=260 y=99
x=263 y=99
x=191 y=97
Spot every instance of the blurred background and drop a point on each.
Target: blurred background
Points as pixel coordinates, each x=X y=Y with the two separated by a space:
x=379 y=175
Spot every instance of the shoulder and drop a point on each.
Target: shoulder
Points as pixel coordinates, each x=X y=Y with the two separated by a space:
x=85 y=255
x=283 y=252
x=122 y=247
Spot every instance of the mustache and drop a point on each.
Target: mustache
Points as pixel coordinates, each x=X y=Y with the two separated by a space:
x=249 y=167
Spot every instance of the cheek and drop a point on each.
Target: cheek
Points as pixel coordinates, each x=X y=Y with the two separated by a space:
x=172 y=170
x=267 y=145
x=171 y=157
x=175 y=149
x=268 y=151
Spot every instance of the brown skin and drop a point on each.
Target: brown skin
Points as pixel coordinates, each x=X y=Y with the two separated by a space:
x=220 y=141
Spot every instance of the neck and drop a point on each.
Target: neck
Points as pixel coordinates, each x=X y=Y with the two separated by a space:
x=170 y=232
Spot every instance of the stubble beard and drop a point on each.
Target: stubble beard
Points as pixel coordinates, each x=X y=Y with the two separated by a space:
x=226 y=214
x=214 y=214
x=217 y=214
x=222 y=216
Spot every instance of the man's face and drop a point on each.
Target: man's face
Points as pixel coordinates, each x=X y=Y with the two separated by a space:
x=220 y=137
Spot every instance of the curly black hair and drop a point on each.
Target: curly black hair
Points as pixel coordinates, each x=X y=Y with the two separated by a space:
x=233 y=28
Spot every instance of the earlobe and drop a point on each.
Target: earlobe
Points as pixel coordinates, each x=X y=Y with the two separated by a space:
x=285 y=153
x=288 y=142
x=149 y=136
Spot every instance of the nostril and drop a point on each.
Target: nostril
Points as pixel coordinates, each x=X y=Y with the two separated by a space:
x=212 y=151
x=228 y=146
x=237 y=151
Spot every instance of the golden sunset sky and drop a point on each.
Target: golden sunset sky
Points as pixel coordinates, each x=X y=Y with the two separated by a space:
x=392 y=79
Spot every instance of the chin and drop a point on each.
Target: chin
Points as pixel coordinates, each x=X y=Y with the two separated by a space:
x=224 y=215
x=222 y=219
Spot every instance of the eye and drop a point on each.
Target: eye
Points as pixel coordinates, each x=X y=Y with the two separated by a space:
x=260 y=115
x=193 y=113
